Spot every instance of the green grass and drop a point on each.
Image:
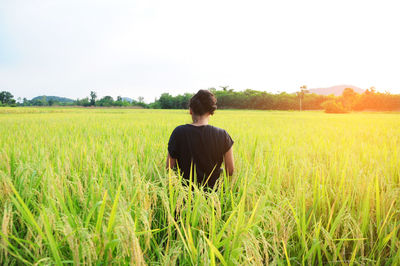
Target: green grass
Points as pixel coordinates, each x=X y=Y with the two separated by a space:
x=89 y=186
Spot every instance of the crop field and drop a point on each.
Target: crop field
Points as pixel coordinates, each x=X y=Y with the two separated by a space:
x=89 y=186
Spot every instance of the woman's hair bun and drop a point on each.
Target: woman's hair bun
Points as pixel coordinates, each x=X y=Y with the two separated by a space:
x=203 y=102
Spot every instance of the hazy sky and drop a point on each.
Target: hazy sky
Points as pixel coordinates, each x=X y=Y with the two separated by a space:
x=143 y=48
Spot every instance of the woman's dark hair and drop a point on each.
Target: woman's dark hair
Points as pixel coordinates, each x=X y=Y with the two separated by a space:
x=203 y=102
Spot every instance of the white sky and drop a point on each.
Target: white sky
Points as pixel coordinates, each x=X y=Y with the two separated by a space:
x=145 y=48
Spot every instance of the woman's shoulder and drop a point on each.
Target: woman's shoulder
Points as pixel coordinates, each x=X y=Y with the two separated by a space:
x=189 y=127
x=217 y=129
x=180 y=128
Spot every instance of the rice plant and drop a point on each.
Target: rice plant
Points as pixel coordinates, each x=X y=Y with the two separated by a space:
x=89 y=186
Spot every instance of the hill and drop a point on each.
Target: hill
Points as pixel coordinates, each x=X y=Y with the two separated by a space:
x=127 y=99
x=335 y=90
x=54 y=98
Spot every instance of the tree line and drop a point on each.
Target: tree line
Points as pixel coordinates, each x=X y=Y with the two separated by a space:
x=91 y=101
x=370 y=99
x=230 y=99
x=302 y=100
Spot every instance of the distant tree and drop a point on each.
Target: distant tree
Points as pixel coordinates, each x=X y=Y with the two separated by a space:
x=6 y=98
x=313 y=101
x=349 y=97
x=140 y=99
x=155 y=105
x=43 y=101
x=300 y=95
x=125 y=103
x=35 y=102
x=333 y=106
x=50 y=102
x=166 y=101
x=83 y=102
x=118 y=102
x=93 y=97
x=106 y=101
x=372 y=89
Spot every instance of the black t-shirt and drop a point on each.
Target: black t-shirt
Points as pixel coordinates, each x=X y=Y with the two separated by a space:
x=202 y=145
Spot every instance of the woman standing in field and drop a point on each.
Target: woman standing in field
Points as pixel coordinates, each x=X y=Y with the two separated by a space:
x=200 y=148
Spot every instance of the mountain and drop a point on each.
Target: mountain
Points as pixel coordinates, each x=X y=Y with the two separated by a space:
x=335 y=90
x=127 y=99
x=54 y=98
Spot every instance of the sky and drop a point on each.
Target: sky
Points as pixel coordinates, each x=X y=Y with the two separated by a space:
x=144 y=48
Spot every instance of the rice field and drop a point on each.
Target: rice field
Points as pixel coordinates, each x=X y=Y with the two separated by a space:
x=89 y=186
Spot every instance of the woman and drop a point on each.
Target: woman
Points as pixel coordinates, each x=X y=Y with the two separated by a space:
x=200 y=148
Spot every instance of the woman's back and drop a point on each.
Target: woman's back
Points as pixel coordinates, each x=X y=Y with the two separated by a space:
x=201 y=146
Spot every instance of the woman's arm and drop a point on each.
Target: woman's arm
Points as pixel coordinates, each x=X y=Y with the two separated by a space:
x=228 y=161
x=171 y=162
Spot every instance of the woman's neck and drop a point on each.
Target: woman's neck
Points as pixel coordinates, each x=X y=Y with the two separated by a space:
x=200 y=120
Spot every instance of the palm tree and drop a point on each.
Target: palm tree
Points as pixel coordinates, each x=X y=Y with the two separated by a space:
x=224 y=88
x=300 y=94
x=93 y=97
